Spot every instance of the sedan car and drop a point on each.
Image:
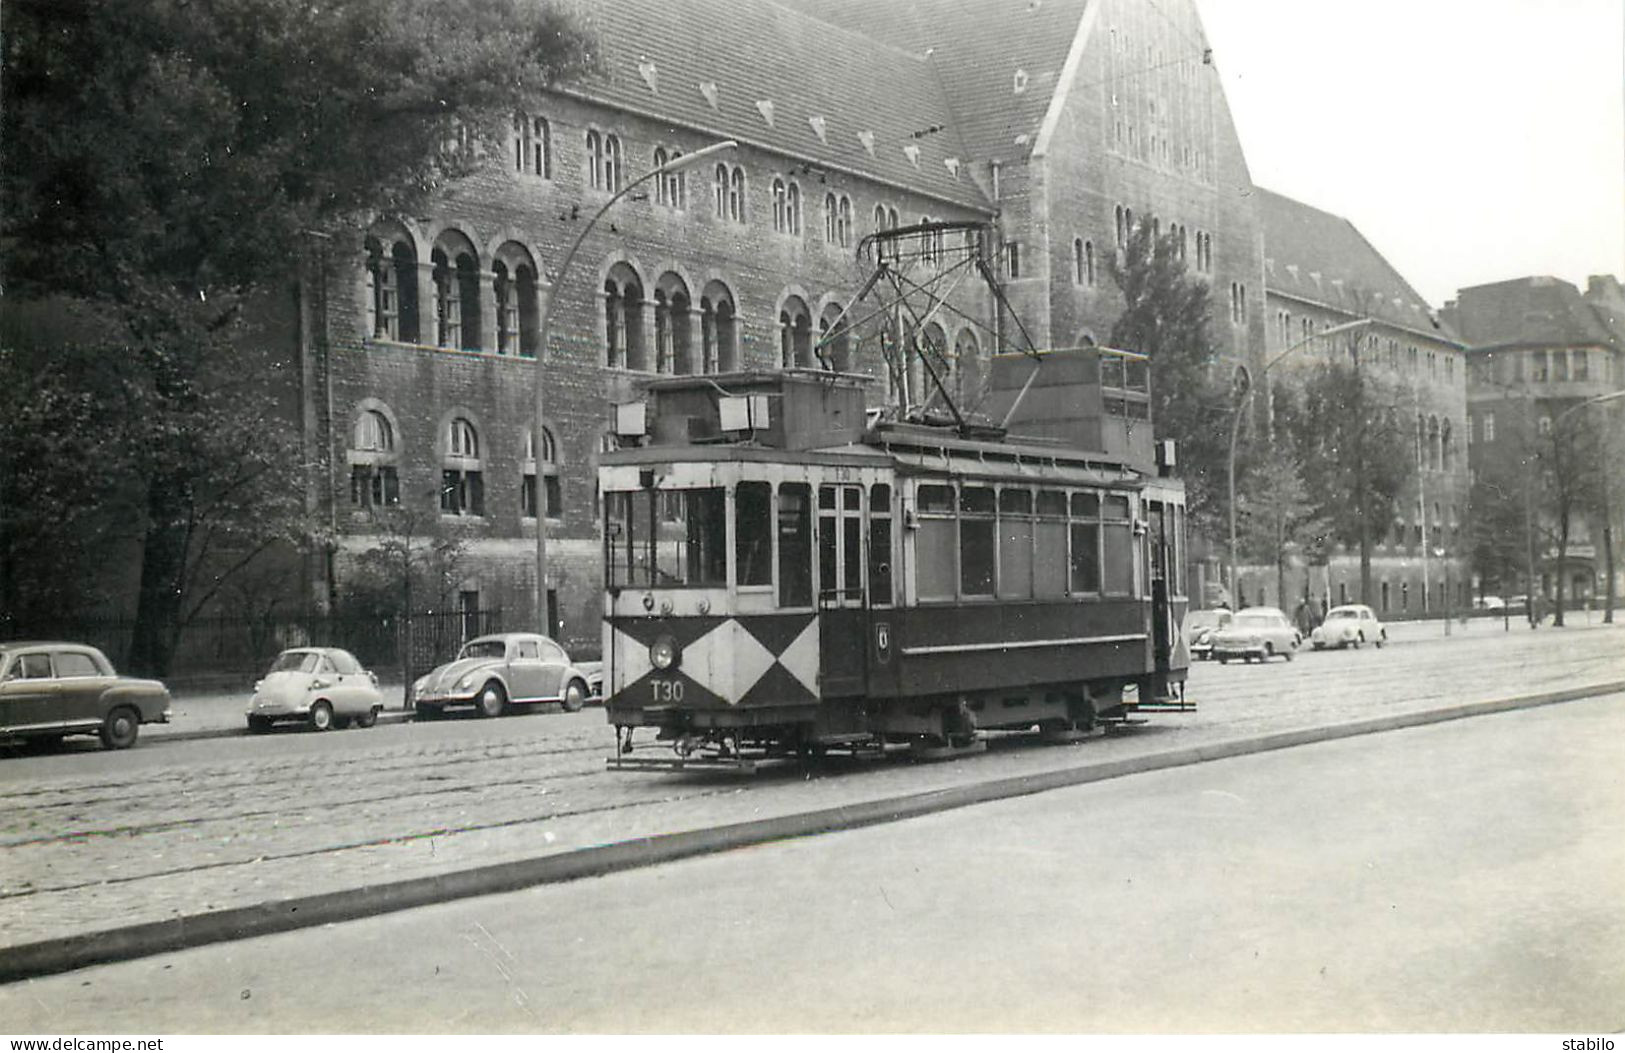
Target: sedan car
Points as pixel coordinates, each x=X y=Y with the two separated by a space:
x=1348 y=626
x=51 y=690
x=492 y=673
x=1256 y=633
x=320 y=686
x=1199 y=629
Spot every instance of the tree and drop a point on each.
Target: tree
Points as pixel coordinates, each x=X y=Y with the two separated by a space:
x=1356 y=455
x=169 y=160
x=1165 y=316
x=1499 y=523
x=1569 y=455
x=1275 y=511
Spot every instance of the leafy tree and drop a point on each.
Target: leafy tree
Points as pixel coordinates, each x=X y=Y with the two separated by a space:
x=168 y=160
x=1499 y=532
x=1166 y=315
x=1570 y=458
x=1275 y=512
x=1356 y=455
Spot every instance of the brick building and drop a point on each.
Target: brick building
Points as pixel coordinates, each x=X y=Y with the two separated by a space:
x=1539 y=348
x=1319 y=272
x=1061 y=129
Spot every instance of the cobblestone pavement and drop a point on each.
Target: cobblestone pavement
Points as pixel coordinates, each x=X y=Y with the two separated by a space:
x=92 y=840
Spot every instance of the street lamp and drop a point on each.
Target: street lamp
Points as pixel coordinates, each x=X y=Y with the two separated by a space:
x=1244 y=390
x=676 y=164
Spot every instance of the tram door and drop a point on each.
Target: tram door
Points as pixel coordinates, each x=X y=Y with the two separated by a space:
x=843 y=616
x=1158 y=551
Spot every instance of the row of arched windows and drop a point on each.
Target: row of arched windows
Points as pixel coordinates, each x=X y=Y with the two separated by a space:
x=375 y=458
x=1434 y=448
x=455 y=312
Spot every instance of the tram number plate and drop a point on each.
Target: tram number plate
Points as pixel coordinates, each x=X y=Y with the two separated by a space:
x=666 y=690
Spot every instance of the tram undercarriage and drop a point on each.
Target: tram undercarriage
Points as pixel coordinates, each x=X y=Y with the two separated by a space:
x=927 y=728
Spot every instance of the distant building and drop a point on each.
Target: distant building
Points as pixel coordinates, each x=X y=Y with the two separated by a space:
x=1320 y=272
x=1540 y=349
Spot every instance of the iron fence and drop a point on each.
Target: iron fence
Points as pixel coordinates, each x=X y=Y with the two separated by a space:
x=393 y=647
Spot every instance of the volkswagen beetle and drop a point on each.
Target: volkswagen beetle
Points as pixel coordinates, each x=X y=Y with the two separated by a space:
x=493 y=673
x=1350 y=625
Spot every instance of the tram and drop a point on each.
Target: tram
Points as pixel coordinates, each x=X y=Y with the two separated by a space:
x=789 y=572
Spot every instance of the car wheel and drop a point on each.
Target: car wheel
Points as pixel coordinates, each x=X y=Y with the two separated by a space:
x=1382 y=638
x=367 y=719
x=1224 y=659
x=259 y=725
x=321 y=716
x=120 y=729
x=1287 y=654
x=1269 y=652
x=1358 y=640
x=575 y=695
x=492 y=700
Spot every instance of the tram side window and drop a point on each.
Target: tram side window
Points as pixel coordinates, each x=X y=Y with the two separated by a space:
x=1015 y=544
x=880 y=545
x=827 y=540
x=1117 y=535
x=976 y=545
x=1085 y=543
x=795 y=545
x=705 y=553
x=935 y=543
x=1050 y=566
x=643 y=550
x=753 y=533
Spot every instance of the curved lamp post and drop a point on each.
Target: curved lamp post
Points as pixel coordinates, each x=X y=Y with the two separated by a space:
x=1244 y=390
x=676 y=164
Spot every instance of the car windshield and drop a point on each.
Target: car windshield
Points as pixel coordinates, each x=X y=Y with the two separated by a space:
x=294 y=662
x=1342 y=614
x=1254 y=621
x=484 y=649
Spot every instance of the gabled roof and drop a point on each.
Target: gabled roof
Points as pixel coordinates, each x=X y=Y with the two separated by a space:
x=981 y=52
x=774 y=76
x=1317 y=256
x=1534 y=311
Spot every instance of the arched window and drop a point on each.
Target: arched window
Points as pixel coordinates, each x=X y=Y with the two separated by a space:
x=736 y=195
x=462 y=486
x=532 y=146
x=831 y=218
x=718 y=330
x=1433 y=443
x=843 y=222
x=671 y=189
x=513 y=285
x=880 y=218
x=392 y=288
x=374 y=482
x=795 y=334
x=1445 y=457
x=612 y=164
x=720 y=191
x=834 y=345
x=456 y=293
x=792 y=210
x=781 y=221
x=552 y=487
x=673 y=334
x=623 y=319
x=1077 y=261
x=595 y=159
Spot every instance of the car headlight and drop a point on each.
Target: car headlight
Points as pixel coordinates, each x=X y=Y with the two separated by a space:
x=663 y=653
x=466 y=682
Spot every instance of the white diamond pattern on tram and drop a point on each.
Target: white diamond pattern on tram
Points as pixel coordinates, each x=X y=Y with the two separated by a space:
x=801 y=657
x=727 y=661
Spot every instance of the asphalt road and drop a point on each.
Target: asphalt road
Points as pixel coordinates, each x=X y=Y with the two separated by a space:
x=91 y=840
x=1465 y=877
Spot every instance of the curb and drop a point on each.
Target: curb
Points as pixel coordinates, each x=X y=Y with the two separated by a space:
x=138 y=941
x=388 y=716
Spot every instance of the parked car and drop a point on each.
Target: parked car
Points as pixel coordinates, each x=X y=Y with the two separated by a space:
x=51 y=690
x=1199 y=627
x=1256 y=633
x=492 y=673
x=320 y=686
x=1348 y=626
x=1489 y=603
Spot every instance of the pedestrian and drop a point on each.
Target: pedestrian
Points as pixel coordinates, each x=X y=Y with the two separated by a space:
x=1305 y=620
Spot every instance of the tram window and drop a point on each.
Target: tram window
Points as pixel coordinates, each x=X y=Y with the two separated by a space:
x=852 y=499
x=753 y=539
x=795 y=545
x=1049 y=545
x=1087 y=506
x=880 y=589
x=976 y=541
x=1115 y=508
x=852 y=556
x=936 y=499
x=1015 y=544
x=1118 y=545
x=704 y=559
x=936 y=544
x=1085 y=557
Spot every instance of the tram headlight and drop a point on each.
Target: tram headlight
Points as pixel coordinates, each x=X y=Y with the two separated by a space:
x=663 y=653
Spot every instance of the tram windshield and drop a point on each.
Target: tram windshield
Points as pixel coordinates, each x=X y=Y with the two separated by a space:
x=666 y=538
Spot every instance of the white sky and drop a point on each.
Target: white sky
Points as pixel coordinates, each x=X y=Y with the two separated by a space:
x=1470 y=141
